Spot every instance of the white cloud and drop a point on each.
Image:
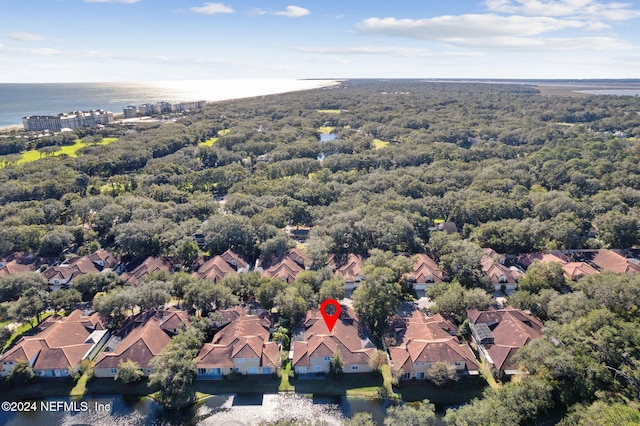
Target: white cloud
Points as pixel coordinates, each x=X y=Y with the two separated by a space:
x=382 y=50
x=547 y=44
x=293 y=12
x=257 y=11
x=112 y=1
x=26 y=36
x=474 y=26
x=212 y=9
x=41 y=51
x=573 y=8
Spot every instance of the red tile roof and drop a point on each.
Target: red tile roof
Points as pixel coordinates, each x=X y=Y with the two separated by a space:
x=347 y=266
x=148 y=266
x=245 y=337
x=511 y=328
x=60 y=345
x=614 y=261
x=21 y=262
x=425 y=270
x=287 y=267
x=345 y=337
x=427 y=340
x=143 y=337
x=217 y=267
x=576 y=270
x=81 y=265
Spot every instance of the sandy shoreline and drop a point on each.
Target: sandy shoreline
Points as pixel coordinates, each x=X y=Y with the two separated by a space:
x=6 y=129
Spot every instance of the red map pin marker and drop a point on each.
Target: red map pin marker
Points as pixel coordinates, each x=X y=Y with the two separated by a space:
x=330 y=319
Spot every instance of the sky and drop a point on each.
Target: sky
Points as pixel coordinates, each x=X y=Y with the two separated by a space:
x=151 y=40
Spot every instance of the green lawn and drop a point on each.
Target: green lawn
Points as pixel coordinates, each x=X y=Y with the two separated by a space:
x=19 y=331
x=210 y=142
x=285 y=386
x=80 y=388
x=69 y=150
x=379 y=144
x=362 y=385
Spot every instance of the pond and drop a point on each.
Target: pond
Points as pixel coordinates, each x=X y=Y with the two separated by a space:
x=219 y=410
x=326 y=137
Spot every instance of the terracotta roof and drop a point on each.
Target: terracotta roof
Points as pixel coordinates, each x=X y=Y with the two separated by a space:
x=576 y=270
x=287 y=267
x=347 y=266
x=527 y=259
x=614 y=261
x=511 y=328
x=104 y=259
x=148 y=266
x=143 y=337
x=425 y=270
x=234 y=260
x=427 y=340
x=497 y=272
x=174 y=320
x=217 y=267
x=73 y=268
x=347 y=336
x=60 y=345
x=245 y=337
x=21 y=262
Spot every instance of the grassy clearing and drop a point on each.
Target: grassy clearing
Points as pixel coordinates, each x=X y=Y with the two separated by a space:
x=361 y=385
x=379 y=144
x=485 y=372
x=80 y=388
x=325 y=130
x=285 y=386
x=69 y=150
x=329 y=111
x=210 y=142
x=19 y=331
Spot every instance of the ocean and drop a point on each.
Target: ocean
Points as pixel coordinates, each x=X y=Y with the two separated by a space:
x=19 y=100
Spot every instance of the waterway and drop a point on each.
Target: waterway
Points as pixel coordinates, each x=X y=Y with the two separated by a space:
x=220 y=410
x=18 y=100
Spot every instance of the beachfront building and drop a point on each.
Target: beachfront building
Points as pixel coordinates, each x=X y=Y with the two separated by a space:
x=163 y=107
x=69 y=120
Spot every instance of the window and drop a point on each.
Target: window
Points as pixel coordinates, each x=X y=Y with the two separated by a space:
x=354 y=367
x=458 y=363
x=266 y=370
x=420 y=375
x=202 y=371
x=240 y=360
x=327 y=358
x=114 y=370
x=406 y=376
x=316 y=368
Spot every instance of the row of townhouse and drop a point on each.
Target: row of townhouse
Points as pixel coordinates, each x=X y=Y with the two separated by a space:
x=243 y=344
x=504 y=273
